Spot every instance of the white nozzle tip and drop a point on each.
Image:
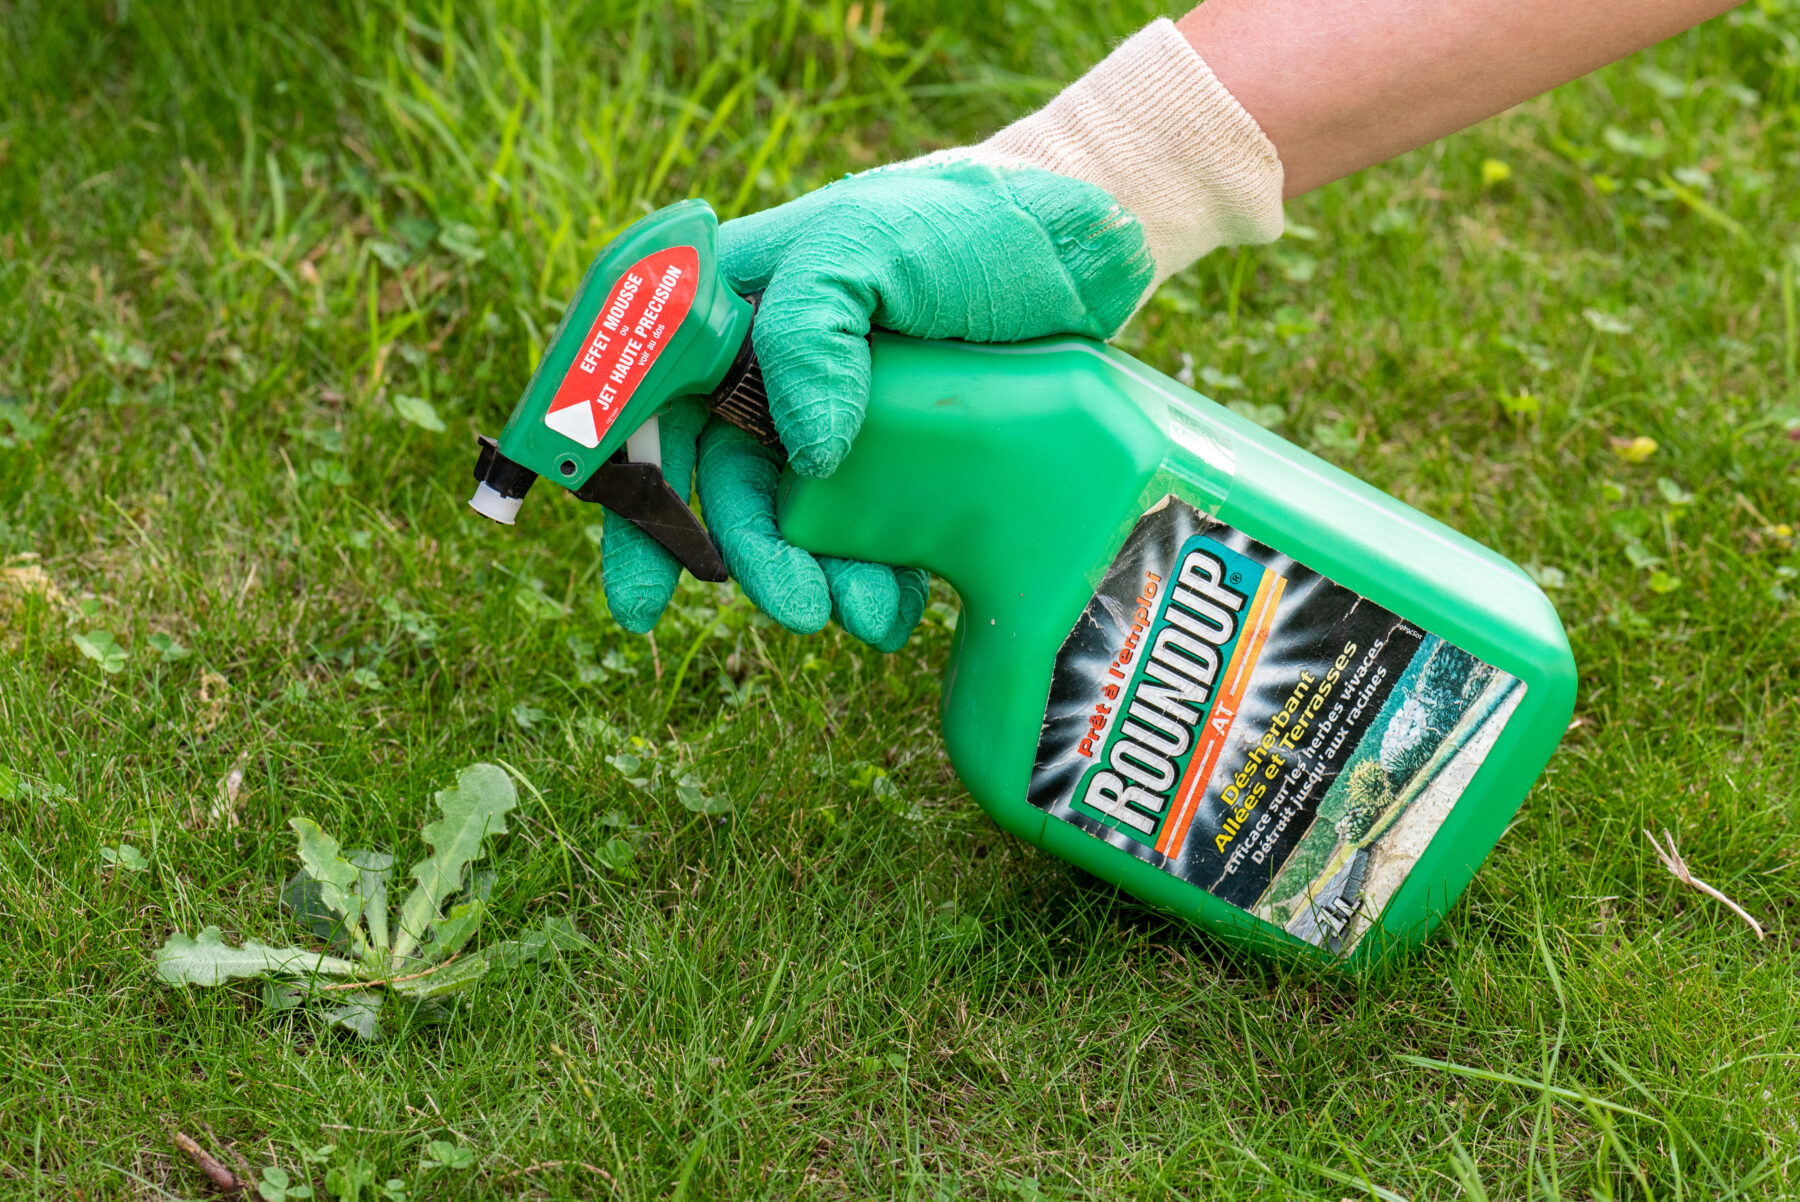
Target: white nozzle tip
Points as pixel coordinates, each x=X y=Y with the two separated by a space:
x=645 y=444
x=490 y=504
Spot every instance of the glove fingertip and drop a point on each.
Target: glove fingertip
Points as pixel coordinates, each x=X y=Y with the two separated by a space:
x=866 y=598
x=637 y=599
x=807 y=615
x=783 y=581
x=637 y=575
x=639 y=616
x=802 y=606
x=811 y=340
x=915 y=590
x=818 y=459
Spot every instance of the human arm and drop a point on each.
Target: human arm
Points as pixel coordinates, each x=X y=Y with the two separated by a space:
x=1339 y=85
x=1186 y=138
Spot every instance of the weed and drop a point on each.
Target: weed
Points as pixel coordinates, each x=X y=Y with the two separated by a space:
x=342 y=896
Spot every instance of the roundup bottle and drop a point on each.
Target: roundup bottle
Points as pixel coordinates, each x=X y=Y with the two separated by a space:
x=1193 y=659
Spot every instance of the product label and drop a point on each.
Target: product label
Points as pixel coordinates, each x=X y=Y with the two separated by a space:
x=643 y=309
x=1225 y=713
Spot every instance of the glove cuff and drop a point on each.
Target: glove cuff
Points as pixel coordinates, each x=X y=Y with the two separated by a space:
x=1153 y=126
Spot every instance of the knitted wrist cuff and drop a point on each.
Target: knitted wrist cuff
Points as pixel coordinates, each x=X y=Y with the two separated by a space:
x=1153 y=126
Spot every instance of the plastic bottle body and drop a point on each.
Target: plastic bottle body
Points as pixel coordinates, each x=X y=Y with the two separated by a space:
x=1022 y=475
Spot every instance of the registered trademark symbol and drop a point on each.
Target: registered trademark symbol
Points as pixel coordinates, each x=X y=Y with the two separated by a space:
x=1237 y=578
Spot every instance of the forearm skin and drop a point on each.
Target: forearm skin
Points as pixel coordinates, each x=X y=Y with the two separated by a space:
x=1338 y=85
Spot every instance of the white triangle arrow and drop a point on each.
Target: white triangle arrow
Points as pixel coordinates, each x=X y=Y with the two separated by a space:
x=575 y=422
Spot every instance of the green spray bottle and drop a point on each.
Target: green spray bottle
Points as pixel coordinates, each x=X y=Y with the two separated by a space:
x=1193 y=659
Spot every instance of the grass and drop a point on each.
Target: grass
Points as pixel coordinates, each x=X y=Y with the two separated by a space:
x=232 y=235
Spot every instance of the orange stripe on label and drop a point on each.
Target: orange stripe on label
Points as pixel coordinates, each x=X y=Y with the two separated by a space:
x=1217 y=730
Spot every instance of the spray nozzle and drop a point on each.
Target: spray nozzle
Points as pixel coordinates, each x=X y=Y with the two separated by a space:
x=634 y=490
x=500 y=484
x=652 y=320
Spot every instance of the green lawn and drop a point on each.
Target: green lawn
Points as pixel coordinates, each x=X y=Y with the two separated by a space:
x=233 y=236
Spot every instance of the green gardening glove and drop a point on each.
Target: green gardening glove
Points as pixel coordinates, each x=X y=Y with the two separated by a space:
x=874 y=603
x=959 y=250
x=1060 y=224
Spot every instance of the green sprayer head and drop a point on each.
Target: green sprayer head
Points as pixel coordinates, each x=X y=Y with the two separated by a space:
x=652 y=321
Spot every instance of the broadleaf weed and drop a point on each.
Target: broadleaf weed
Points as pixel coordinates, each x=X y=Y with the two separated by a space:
x=341 y=896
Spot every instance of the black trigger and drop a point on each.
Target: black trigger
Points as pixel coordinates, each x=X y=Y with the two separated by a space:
x=638 y=493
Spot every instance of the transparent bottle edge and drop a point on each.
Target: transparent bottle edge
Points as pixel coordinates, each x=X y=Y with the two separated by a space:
x=1199 y=464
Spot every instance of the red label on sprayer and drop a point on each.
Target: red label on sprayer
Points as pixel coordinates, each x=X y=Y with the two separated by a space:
x=644 y=309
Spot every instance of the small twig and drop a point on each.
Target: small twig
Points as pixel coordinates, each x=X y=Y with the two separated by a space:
x=390 y=980
x=223 y=1179
x=1177 y=956
x=244 y=1172
x=1679 y=870
x=545 y=1165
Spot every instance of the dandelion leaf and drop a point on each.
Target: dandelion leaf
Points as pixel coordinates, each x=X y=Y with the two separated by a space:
x=283 y=995
x=207 y=959
x=338 y=878
x=373 y=869
x=359 y=1012
x=449 y=935
x=301 y=895
x=451 y=978
x=473 y=811
x=550 y=936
